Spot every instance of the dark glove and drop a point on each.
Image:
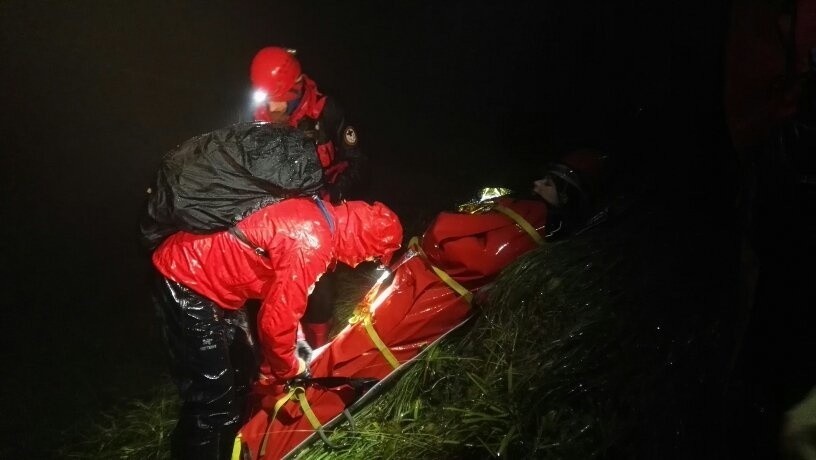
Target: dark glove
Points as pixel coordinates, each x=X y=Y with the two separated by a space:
x=300 y=380
x=304 y=351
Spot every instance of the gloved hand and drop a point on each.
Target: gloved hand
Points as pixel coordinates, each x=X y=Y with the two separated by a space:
x=303 y=376
x=265 y=377
x=303 y=350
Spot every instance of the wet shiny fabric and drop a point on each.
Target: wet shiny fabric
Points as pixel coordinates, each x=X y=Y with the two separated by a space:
x=212 y=359
x=415 y=310
x=298 y=238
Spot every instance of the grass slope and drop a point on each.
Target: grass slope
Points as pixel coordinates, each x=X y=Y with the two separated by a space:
x=599 y=346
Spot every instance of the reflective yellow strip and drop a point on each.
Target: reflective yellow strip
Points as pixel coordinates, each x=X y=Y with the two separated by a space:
x=307 y=410
x=521 y=223
x=278 y=404
x=363 y=314
x=452 y=283
x=236 y=448
x=372 y=334
x=298 y=394
x=461 y=290
x=283 y=400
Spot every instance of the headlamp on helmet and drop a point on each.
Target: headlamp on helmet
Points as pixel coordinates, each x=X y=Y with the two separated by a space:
x=259 y=97
x=276 y=71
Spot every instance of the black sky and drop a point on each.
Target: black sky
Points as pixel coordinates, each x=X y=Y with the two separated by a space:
x=446 y=96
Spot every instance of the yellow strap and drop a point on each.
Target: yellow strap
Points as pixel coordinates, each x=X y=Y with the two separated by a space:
x=278 y=404
x=307 y=409
x=310 y=415
x=236 y=448
x=363 y=315
x=372 y=334
x=296 y=393
x=521 y=223
x=461 y=290
x=452 y=283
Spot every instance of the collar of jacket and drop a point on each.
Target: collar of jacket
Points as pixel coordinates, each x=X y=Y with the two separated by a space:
x=311 y=103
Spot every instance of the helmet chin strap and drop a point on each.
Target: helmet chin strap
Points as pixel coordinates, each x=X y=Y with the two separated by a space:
x=294 y=103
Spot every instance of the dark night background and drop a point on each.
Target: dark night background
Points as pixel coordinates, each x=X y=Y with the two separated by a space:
x=446 y=96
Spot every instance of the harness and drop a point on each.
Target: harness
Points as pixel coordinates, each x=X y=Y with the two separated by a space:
x=261 y=252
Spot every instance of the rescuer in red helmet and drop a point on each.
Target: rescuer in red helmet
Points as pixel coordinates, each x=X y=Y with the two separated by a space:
x=276 y=255
x=284 y=94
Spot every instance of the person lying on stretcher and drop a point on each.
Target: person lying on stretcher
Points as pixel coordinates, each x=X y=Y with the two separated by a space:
x=473 y=243
x=426 y=293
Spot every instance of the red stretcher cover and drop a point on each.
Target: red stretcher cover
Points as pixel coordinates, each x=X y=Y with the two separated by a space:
x=416 y=309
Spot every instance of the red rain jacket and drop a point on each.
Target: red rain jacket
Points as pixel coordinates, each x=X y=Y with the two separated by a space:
x=298 y=239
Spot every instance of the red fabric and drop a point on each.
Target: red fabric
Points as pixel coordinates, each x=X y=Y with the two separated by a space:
x=325 y=153
x=472 y=249
x=275 y=71
x=311 y=103
x=333 y=172
x=317 y=334
x=311 y=106
x=418 y=308
x=262 y=113
x=299 y=241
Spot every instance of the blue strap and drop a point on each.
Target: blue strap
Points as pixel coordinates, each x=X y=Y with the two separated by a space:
x=322 y=206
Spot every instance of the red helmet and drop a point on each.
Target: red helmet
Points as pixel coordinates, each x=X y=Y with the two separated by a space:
x=275 y=71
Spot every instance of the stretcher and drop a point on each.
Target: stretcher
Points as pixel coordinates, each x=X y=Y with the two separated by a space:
x=424 y=296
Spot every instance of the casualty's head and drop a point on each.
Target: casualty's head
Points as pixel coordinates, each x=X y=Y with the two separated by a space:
x=277 y=82
x=574 y=180
x=366 y=232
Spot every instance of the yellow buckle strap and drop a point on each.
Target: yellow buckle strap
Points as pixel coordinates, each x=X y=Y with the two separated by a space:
x=452 y=283
x=520 y=222
x=278 y=404
x=236 y=448
x=384 y=350
x=297 y=394
x=363 y=315
x=300 y=396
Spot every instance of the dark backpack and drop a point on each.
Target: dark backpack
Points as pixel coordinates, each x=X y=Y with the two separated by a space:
x=212 y=181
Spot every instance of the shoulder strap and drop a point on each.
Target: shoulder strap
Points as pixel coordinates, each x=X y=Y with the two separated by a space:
x=322 y=206
x=241 y=236
x=237 y=233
